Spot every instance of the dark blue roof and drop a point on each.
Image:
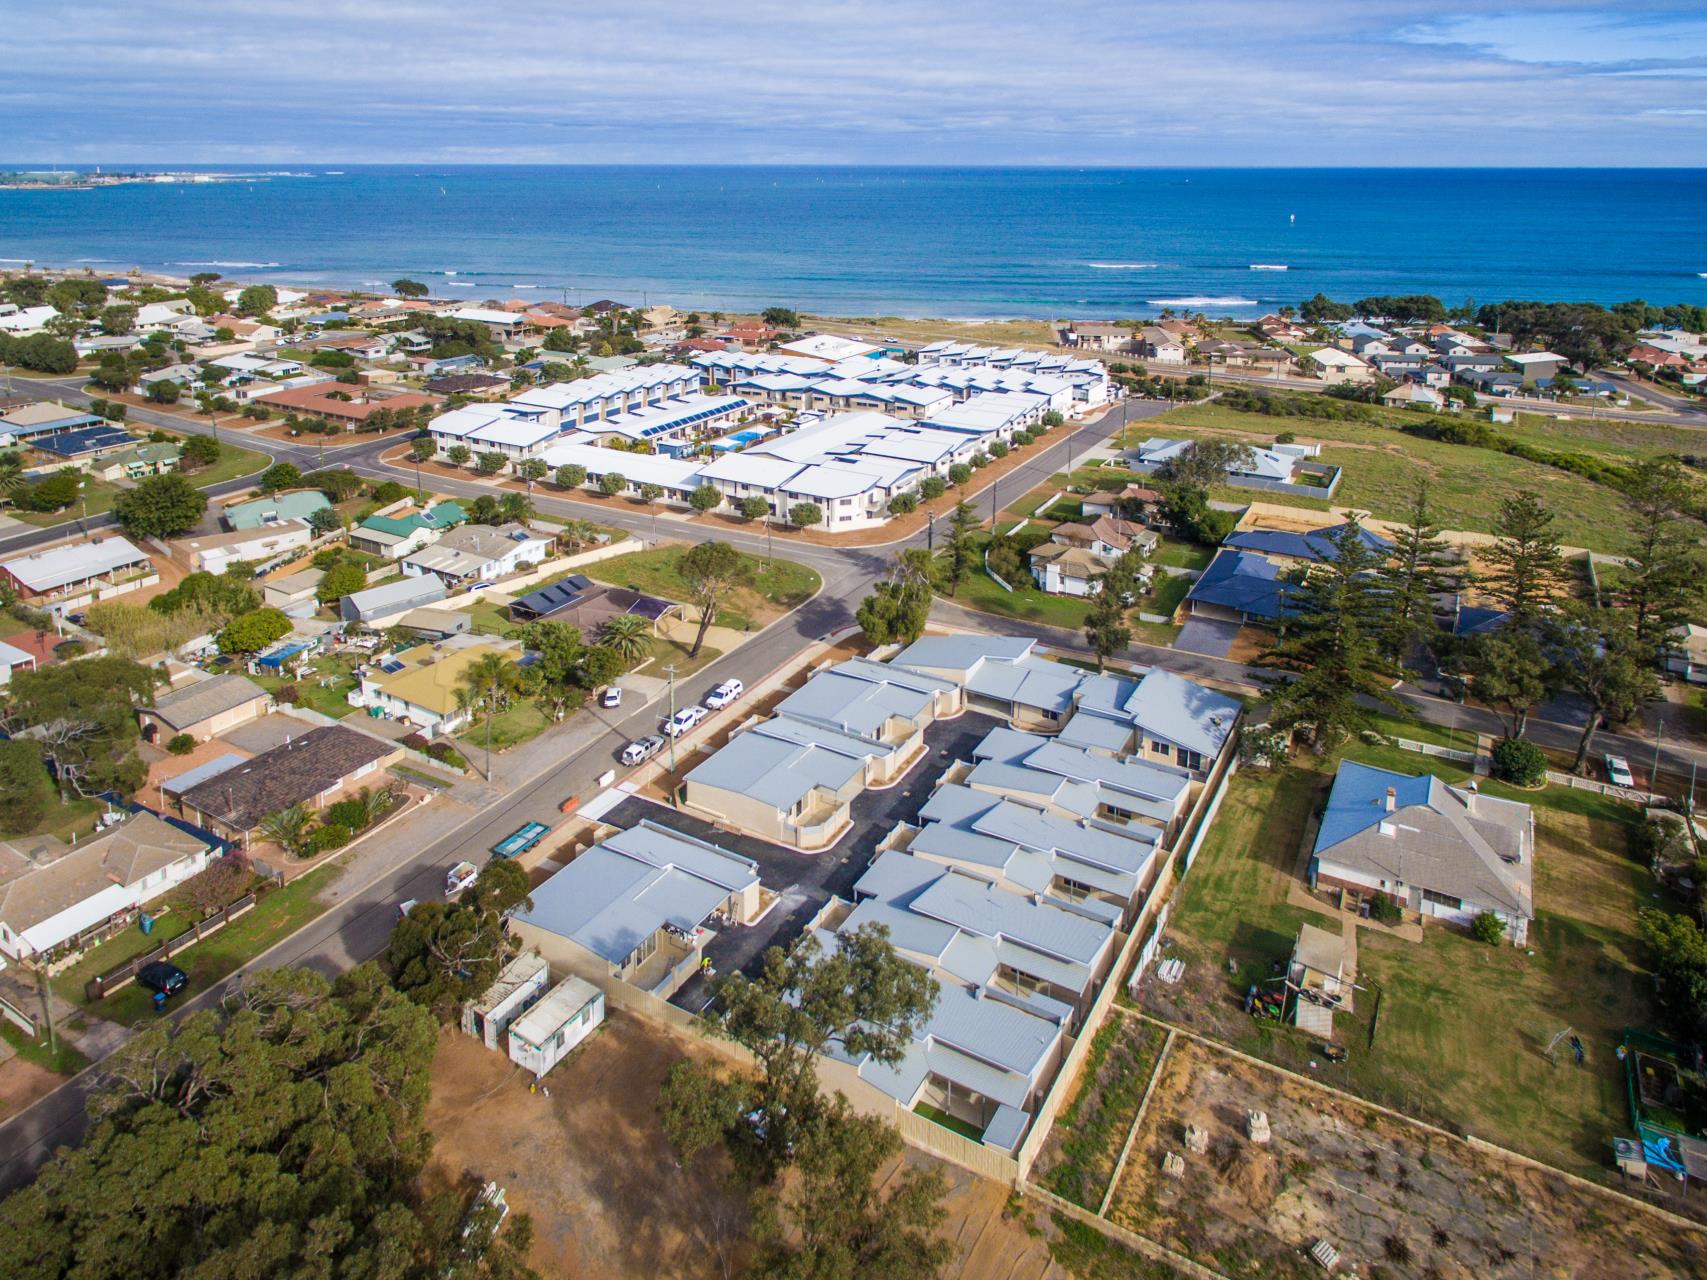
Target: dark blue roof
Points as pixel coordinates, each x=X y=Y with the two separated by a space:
x=558 y=595
x=1244 y=582
x=1317 y=545
x=71 y=444
x=1359 y=800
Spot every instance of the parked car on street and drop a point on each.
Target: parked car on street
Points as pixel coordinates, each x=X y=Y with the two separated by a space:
x=1618 y=770
x=683 y=720
x=644 y=749
x=612 y=697
x=724 y=694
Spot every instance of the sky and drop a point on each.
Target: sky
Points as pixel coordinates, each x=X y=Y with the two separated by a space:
x=1086 y=82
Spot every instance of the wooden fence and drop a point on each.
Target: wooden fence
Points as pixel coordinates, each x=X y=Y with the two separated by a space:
x=99 y=987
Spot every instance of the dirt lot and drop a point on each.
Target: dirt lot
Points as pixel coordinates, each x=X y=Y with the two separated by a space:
x=21 y=1083
x=1397 y=1200
x=590 y=1164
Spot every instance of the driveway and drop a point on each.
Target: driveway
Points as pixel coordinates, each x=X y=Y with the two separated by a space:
x=1209 y=638
x=804 y=882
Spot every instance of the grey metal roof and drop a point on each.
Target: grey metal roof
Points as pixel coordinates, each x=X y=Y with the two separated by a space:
x=206 y=698
x=610 y=900
x=1452 y=840
x=855 y=703
x=393 y=597
x=201 y=773
x=1183 y=712
x=1090 y=731
x=959 y=653
x=782 y=760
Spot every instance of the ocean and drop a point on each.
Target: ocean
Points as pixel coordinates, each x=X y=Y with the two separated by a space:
x=959 y=243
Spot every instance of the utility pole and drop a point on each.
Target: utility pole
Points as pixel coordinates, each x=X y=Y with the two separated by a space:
x=47 y=1009
x=930 y=533
x=420 y=494
x=671 y=672
x=1654 y=773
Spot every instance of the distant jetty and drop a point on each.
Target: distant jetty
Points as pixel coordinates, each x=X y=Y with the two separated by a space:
x=79 y=180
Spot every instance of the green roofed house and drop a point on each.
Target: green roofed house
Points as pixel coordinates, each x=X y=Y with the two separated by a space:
x=397 y=536
x=297 y=505
x=147 y=459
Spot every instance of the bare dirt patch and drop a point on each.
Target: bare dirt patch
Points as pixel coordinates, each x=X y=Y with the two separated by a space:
x=23 y=1082
x=1396 y=1199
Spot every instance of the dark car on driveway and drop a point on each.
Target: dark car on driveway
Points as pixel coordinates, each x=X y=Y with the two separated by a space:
x=160 y=976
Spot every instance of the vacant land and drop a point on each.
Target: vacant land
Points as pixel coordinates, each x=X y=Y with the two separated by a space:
x=1084 y=1143
x=586 y=1157
x=1466 y=484
x=1395 y=1199
x=772 y=587
x=1461 y=1026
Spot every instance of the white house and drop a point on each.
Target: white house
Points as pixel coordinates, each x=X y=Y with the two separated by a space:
x=27 y=320
x=1445 y=852
x=479 y=553
x=214 y=552
x=1337 y=366
x=47 y=901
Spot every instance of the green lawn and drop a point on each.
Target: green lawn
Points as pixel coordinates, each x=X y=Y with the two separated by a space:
x=1461 y=1024
x=779 y=583
x=98 y=499
x=1466 y=484
x=234 y=462
x=519 y=723
x=275 y=917
x=1183 y=555
x=328 y=699
x=116 y=950
x=1026 y=602
x=947 y=1121
x=489 y=619
x=1169 y=590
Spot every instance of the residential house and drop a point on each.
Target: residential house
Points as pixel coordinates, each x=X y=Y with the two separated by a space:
x=1336 y=366
x=204 y=708
x=299 y=504
x=639 y=908
x=12 y=658
x=216 y=552
x=1686 y=653
x=1414 y=395
x=1278 y=464
x=312 y=770
x=420 y=685
x=51 y=895
x=1073 y=561
x=1535 y=365
x=146 y=459
x=1134 y=502
x=1162 y=346
x=43 y=418
x=1092 y=335
x=1241 y=587
x=479 y=553
x=1445 y=852
x=397 y=536
x=63 y=577
x=350 y=406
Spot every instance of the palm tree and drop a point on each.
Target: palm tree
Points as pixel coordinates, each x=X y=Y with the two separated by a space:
x=488 y=680
x=376 y=804
x=288 y=828
x=628 y=634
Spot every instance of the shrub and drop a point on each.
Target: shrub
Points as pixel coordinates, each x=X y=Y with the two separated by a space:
x=932 y=487
x=287 y=693
x=999 y=449
x=1518 y=762
x=1488 y=928
x=327 y=837
x=349 y=814
x=902 y=503
x=416 y=742
x=389 y=491
x=181 y=744
x=1384 y=909
x=444 y=753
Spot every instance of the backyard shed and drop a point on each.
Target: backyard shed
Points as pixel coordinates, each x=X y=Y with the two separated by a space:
x=548 y=1033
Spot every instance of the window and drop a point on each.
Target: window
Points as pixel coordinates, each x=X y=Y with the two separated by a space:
x=1443 y=900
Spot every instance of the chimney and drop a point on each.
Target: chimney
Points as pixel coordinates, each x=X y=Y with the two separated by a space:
x=1392 y=799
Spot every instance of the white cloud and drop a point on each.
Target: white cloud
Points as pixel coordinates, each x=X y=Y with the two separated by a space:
x=995 y=81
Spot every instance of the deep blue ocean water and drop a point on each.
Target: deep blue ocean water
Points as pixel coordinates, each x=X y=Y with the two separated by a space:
x=915 y=242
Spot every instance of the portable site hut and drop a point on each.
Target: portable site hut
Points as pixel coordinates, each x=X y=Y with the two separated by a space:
x=517 y=990
x=548 y=1033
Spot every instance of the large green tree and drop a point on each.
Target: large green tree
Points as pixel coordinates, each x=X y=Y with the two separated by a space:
x=900 y=604
x=443 y=953
x=488 y=684
x=253 y=631
x=1205 y=462
x=1332 y=645
x=25 y=788
x=962 y=556
x=213 y=591
x=83 y=716
x=278 y=1135
x=711 y=571
x=1510 y=672
x=1524 y=566
x=1596 y=655
x=160 y=507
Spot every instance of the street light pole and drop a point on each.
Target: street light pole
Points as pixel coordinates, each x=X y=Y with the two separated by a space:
x=671 y=672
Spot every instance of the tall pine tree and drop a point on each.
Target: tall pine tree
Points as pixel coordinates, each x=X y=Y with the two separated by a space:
x=1525 y=567
x=1333 y=645
x=1418 y=570
x=1660 y=582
